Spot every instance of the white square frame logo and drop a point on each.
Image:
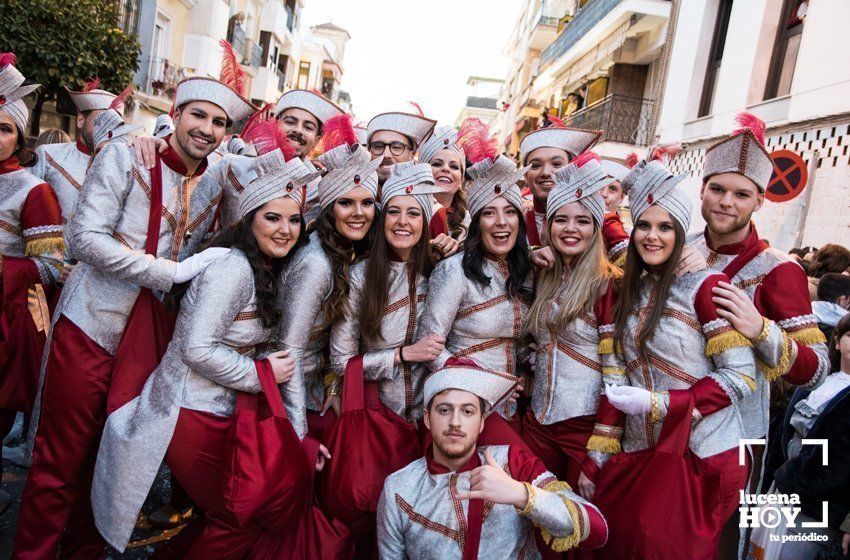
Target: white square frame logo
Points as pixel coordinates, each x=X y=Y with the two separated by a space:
x=824 y=445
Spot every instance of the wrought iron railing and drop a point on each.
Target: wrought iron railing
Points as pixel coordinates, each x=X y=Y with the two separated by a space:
x=624 y=119
x=162 y=77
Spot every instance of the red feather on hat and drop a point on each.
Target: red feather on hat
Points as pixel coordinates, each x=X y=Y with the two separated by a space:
x=8 y=59
x=266 y=136
x=232 y=73
x=418 y=108
x=338 y=130
x=662 y=153
x=477 y=142
x=749 y=121
x=556 y=122
x=262 y=113
x=585 y=157
x=91 y=84
x=121 y=98
x=466 y=362
x=631 y=160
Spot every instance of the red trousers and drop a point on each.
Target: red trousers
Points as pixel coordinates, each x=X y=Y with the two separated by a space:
x=318 y=426
x=57 y=495
x=196 y=458
x=561 y=445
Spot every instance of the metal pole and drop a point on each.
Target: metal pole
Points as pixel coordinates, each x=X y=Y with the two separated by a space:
x=810 y=187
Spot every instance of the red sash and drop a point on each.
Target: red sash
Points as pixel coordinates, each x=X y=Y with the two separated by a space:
x=662 y=500
x=367 y=443
x=474 y=521
x=21 y=344
x=150 y=325
x=531 y=232
x=750 y=252
x=268 y=472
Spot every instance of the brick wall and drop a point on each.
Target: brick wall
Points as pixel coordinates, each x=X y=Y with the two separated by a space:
x=828 y=219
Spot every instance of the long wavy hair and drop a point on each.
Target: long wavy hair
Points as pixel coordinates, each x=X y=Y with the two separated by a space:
x=633 y=275
x=458 y=211
x=519 y=259
x=589 y=276
x=265 y=269
x=377 y=275
x=26 y=155
x=342 y=254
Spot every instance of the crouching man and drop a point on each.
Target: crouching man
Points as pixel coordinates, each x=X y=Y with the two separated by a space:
x=465 y=502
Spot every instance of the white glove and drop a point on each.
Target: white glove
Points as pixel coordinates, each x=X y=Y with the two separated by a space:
x=631 y=400
x=194 y=265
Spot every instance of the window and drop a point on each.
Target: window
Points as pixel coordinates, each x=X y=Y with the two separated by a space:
x=787 y=46
x=303 y=74
x=128 y=16
x=596 y=90
x=715 y=57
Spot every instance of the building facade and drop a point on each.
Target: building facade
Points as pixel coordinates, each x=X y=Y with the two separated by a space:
x=180 y=38
x=776 y=59
x=593 y=64
x=483 y=100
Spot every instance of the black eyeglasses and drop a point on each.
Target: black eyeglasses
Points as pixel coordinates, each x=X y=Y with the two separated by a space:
x=396 y=148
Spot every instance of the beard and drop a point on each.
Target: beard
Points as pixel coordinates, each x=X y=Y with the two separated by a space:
x=726 y=227
x=454 y=453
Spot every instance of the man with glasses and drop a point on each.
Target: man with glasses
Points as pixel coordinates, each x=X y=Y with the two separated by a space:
x=395 y=137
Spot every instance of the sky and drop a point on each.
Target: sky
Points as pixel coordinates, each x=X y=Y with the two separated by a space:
x=420 y=51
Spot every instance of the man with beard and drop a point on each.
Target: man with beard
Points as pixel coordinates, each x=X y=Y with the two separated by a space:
x=464 y=502
x=117 y=259
x=64 y=165
x=768 y=299
x=545 y=151
x=395 y=137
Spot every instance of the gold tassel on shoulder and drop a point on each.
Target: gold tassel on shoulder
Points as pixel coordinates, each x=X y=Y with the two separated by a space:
x=563 y=544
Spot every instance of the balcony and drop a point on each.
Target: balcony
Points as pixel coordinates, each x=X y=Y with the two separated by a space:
x=482 y=102
x=162 y=78
x=250 y=52
x=544 y=28
x=624 y=119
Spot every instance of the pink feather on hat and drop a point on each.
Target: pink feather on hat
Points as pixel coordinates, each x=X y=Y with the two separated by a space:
x=121 y=99
x=232 y=73
x=338 y=130
x=585 y=157
x=8 y=59
x=418 y=108
x=266 y=136
x=750 y=122
x=93 y=83
x=476 y=141
x=631 y=160
x=665 y=153
x=556 y=122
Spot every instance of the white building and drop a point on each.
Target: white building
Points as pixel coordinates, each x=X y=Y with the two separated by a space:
x=482 y=103
x=784 y=61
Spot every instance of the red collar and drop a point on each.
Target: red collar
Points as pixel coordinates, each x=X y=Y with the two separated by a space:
x=174 y=162
x=82 y=146
x=539 y=207
x=734 y=248
x=436 y=468
x=10 y=164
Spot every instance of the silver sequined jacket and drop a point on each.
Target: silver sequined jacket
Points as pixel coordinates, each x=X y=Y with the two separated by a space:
x=568 y=370
x=400 y=387
x=684 y=349
x=305 y=283
x=108 y=234
x=209 y=360
x=64 y=166
x=481 y=323
x=420 y=517
x=779 y=288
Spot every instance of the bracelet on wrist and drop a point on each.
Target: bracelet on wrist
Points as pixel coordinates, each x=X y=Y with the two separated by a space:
x=529 y=504
x=765 y=330
x=401 y=355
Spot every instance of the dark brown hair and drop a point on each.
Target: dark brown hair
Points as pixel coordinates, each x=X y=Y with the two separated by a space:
x=26 y=155
x=629 y=299
x=342 y=254
x=377 y=275
x=834 y=354
x=519 y=258
x=458 y=212
x=830 y=258
x=239 y=236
